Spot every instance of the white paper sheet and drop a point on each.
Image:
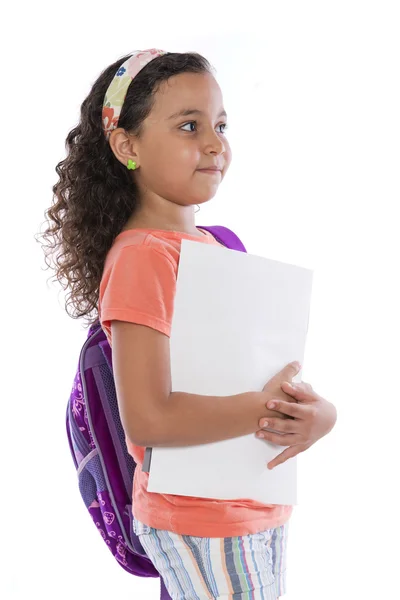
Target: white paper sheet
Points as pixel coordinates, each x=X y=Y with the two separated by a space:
x=238 y=320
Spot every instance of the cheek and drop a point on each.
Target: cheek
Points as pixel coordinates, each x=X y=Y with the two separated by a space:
x=170 y=169
x=187 y=155
x=182 y=162
x=227 y=156
x=175 y=158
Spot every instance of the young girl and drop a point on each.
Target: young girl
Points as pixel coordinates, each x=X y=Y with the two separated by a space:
x=151 y=144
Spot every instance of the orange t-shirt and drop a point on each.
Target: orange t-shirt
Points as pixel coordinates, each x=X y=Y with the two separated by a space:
x=138 y=285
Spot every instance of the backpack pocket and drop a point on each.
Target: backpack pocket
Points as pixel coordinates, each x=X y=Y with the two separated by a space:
x=90 y=477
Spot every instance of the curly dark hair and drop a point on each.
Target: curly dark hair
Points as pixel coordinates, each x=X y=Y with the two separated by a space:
x=96 y=195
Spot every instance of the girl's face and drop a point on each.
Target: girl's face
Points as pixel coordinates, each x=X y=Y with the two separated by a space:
x=175 y=146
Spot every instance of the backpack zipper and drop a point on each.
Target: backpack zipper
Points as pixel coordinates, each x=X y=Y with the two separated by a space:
x=79 y=438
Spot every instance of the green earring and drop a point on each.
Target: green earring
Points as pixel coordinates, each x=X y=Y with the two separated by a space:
x=131 y=164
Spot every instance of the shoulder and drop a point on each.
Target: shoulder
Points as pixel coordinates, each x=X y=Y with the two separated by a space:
x=140 y=249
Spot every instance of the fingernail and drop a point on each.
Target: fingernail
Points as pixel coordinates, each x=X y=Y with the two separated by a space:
x=265 y=424
x=271 y=404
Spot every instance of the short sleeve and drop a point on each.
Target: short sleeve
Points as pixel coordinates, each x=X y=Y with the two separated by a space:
x=138 y=286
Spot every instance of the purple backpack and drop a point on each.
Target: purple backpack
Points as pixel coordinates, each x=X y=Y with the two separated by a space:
x=97 y=443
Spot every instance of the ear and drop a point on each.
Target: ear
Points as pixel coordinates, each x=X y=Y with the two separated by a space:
x=124 y=146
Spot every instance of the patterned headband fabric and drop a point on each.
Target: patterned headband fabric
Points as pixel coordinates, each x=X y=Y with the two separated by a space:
x=116 y=91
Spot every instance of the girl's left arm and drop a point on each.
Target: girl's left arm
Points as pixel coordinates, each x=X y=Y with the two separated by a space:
x=304 y=422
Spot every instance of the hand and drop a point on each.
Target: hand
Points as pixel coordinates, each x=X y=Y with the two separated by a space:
x=305 y=422
x=273 y=388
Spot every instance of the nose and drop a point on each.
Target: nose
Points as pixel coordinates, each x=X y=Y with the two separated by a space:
x=214 y=144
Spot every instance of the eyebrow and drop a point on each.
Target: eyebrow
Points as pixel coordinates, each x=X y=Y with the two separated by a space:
x=192 y=111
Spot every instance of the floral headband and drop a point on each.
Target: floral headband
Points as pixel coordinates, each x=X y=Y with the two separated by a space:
x=116 y=91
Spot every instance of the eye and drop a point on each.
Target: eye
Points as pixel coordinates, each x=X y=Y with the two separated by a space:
x=186 y=124
x=195 y=123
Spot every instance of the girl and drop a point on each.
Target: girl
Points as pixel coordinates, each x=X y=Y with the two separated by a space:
x=150 y=145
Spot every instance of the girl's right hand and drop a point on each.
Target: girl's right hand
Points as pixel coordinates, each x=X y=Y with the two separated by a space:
x=272 y=389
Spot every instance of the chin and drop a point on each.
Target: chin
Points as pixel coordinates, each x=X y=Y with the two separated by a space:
x=203 y=199
x=206 y=194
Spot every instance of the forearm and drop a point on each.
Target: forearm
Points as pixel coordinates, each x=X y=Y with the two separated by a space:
x=193 y=419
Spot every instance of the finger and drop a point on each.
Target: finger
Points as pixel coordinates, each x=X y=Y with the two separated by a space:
x=289 y=388
x=298 y=411
x=283 y=456
x=283 y=425
x=280 y=439
x=289 y=371
x=302 y=391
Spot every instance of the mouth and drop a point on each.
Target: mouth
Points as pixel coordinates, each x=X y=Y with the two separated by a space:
x=210 y=171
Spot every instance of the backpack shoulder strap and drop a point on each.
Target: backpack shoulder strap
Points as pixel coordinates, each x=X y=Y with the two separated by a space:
x=226 y=236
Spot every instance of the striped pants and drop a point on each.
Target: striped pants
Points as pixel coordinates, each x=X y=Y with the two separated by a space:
x=250 y=567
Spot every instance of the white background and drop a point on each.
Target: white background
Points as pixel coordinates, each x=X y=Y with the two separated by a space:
x=313 y=96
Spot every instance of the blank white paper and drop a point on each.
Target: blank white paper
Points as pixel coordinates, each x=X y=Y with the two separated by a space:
x=238 y=320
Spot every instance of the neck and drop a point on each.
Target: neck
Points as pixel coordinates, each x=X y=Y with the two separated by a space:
x=182 y=222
